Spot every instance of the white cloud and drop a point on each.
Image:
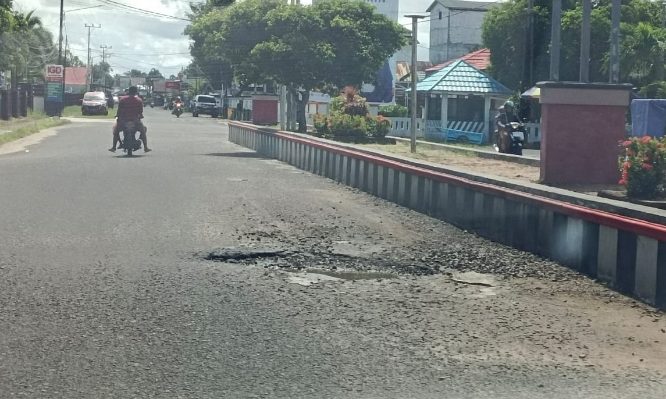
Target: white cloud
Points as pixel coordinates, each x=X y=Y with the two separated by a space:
x=143 y=41
x=137 y=41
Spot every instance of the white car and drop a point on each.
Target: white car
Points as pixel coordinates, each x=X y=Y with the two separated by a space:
x=205 y=104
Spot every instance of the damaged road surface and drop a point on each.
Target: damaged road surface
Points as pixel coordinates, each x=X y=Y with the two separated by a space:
x=319 y=292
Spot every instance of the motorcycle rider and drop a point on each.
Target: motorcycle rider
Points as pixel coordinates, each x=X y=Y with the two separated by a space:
x=130 y=108
x=177 y=101
x=503 y=120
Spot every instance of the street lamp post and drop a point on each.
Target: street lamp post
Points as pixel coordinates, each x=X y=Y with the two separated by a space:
x=415 y=26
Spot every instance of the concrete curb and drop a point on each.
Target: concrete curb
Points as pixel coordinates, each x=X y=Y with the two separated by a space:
x=628 y=254
x=473 y=151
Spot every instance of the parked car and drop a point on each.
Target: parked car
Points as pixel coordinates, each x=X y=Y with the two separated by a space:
x=94 y=103
x=204 y=104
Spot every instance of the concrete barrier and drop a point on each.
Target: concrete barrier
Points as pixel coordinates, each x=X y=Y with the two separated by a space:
x=628 y=254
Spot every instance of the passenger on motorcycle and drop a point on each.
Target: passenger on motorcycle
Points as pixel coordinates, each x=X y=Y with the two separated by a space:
x=130 y=108
x=503 y=120
x=176 y=102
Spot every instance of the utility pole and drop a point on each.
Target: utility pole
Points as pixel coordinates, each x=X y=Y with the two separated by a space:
x=585 y=33
x=91 y=26
x=104 y=47
x=62 y=16
x=415 y=77
x=448 y=35
x=555 y=40
x=530 y=43
x=615 y=43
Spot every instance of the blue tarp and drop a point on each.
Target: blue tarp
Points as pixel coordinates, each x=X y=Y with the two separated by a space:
x=648 y=117
x=383 y=92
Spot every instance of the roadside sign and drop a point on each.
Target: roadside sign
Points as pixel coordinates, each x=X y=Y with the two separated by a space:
x=55 y=73
x=54 y=91
x=172 y=84
x=55 y=76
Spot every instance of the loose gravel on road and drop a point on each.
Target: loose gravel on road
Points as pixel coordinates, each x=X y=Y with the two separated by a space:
x=203 y=270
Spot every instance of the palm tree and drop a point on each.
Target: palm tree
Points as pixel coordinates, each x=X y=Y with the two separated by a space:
x=643 y=53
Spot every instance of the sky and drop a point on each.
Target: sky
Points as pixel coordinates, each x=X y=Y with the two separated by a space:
x=139 y=41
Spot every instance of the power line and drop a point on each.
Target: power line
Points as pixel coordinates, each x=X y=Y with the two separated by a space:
x=141 y=10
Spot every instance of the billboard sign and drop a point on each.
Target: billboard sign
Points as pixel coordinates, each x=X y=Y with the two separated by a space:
x=55 y=77
x=172 y=84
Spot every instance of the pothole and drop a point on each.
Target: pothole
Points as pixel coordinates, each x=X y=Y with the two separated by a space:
x=316 y=276
x=332 y=264
x=232 y=255
x=352 y=275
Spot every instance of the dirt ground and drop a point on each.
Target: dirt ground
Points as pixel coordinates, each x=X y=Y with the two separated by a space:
x=474 y=164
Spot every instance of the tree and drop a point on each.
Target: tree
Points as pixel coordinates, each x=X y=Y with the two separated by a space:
x=207 y=62
x=154 y=74
x=642 y=47
x=135 y=73
x=333 y=43
x=102 y=73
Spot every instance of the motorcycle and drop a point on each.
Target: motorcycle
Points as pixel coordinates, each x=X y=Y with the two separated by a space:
x=177 y=109
x=130 y=143
x=513 y=139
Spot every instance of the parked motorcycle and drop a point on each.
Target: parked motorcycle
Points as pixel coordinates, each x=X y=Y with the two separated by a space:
x=177 y=109
x=130 y=143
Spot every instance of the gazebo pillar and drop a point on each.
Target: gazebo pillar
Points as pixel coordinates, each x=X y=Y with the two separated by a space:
x=425 y=110
x=445 y=114
x=487 y=117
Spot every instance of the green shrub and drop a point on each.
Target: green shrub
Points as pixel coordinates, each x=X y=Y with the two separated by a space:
x=352 y=127
x=321 y=125
x=393 y=111
x=378 y=127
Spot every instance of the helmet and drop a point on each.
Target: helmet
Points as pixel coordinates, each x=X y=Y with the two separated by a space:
x=178 y=98
x=509 y=105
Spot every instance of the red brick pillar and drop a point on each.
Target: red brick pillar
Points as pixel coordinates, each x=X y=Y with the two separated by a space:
x=581 y=124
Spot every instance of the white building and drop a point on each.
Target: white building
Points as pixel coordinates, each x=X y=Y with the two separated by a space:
x=455 y=27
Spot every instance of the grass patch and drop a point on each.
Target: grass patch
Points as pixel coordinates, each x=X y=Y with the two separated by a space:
x=463 y=159
x=18 y=128
x=74 y=111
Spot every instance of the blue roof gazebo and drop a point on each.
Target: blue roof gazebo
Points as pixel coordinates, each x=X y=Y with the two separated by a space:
x=462 y=98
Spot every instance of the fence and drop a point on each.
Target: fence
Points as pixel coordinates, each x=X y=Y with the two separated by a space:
x=471 y=131
x=16 y=102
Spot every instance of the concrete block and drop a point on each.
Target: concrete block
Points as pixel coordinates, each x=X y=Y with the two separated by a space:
x=353 y=172
x=362 y=175
x=661 y=276
x=339 y=168
x=427 y=205
x=530 y=219
x=391 y=184
x=573 y=243
x=626 y=261
x=545 y=232
x=404 y=181
x=442 y=206
x=498 y=220
x=607 y=255
x=317 y=161
x=590 y=247
x=416 y=192
x=371 y=178
x=645 y=285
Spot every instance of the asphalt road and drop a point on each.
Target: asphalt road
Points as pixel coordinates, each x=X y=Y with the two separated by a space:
x=105 y=291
